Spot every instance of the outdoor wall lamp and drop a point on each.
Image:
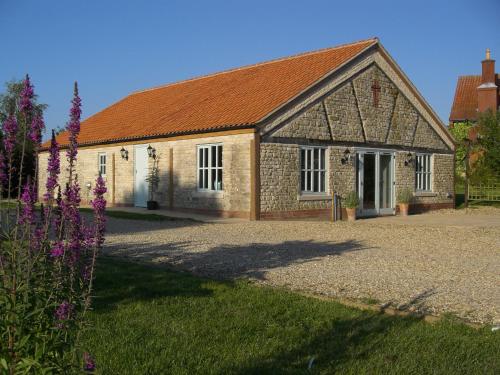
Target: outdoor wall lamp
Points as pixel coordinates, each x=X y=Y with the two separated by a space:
x=124 y=153
x=151 y=152
x=347 y=157
x=409 y=159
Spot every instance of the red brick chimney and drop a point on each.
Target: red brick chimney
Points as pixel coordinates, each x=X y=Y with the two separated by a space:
x=487 y=92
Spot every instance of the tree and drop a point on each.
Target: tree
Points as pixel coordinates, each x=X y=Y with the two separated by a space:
x=478 y=149
x=488 y=139
x=9 y=101
x=460 y=132
x=10 y=106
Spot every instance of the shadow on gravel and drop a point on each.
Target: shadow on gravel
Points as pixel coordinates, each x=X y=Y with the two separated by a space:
x=232 y=261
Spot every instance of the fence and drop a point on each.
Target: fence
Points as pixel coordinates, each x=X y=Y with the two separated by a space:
x=489 y=191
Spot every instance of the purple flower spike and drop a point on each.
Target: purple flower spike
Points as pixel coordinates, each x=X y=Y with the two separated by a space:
x=63 y=313
x=10 y=135
x=27 y=215
x=73 y=126
x=26 y=98
x=37 y=126
x=58 y=250
x=88 y=362
x=99 y=205
x=53 y=168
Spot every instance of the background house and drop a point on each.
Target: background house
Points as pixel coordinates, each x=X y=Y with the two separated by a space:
x=274 y=140
x=476 y=93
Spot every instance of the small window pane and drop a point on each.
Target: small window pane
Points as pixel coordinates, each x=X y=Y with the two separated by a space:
x=213 y=180
x=302 y=159
x=219 y=157
x=200 y=178
x=316 y=158
x=316 y=181
x=213 y=161
x=302 y=180
x=205 y=179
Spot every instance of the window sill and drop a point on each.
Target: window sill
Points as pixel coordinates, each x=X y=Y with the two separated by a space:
x=209 y=194
x=425 y=194
x=314 y=197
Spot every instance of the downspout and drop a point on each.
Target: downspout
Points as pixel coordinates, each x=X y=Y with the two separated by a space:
x=255 y=176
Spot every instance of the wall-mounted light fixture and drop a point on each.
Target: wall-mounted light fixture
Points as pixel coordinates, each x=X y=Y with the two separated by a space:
x=347 y=157
x=124 y=153
x=409 y=159
x=151 y=152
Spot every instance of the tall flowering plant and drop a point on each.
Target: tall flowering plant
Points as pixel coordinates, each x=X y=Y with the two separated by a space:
x=48 y=255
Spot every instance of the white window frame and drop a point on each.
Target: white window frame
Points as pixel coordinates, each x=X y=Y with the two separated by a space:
x=423 y=172
x=218 y=169
x=309 y=170
x=100 y=165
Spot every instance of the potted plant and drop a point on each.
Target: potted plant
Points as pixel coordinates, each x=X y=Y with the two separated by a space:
x=404 y=198
x=351 y=202
x=153 y=179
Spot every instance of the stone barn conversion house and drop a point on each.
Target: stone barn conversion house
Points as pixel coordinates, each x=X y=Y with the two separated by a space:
x=274 y=139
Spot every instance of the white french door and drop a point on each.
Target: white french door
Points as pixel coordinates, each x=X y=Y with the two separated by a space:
x=140 y=175
x=375 y=182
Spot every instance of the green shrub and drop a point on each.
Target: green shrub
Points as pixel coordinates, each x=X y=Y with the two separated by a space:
x=404 y=196
x=351 y=200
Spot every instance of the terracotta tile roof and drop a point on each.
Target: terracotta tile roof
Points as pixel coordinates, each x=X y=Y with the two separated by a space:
x=230 y=99
x=465 y=101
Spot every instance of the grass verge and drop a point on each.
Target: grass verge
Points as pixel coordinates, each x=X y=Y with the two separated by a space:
x=151 y=320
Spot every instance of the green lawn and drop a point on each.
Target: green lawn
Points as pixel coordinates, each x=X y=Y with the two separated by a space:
x=149 y=320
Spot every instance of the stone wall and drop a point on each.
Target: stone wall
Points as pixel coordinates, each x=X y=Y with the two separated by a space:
x=352 y=115
x=280 y=179
x=341 y=108
x=234 y=199
x=442 y=179
x=343 y=179
x=312 y=124
x=235 y=196
x=376 y=119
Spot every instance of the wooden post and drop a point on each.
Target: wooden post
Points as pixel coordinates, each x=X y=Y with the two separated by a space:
x=255 y=177
x=170 y=178
x=467 y=172
x=333 y=206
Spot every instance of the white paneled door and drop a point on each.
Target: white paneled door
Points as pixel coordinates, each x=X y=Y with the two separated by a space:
x=141 y=173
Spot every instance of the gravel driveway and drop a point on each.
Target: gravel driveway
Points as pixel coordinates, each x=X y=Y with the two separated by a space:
x=417 y=267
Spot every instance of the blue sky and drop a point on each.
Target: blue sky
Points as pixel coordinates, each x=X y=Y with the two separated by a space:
x=115 y=47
